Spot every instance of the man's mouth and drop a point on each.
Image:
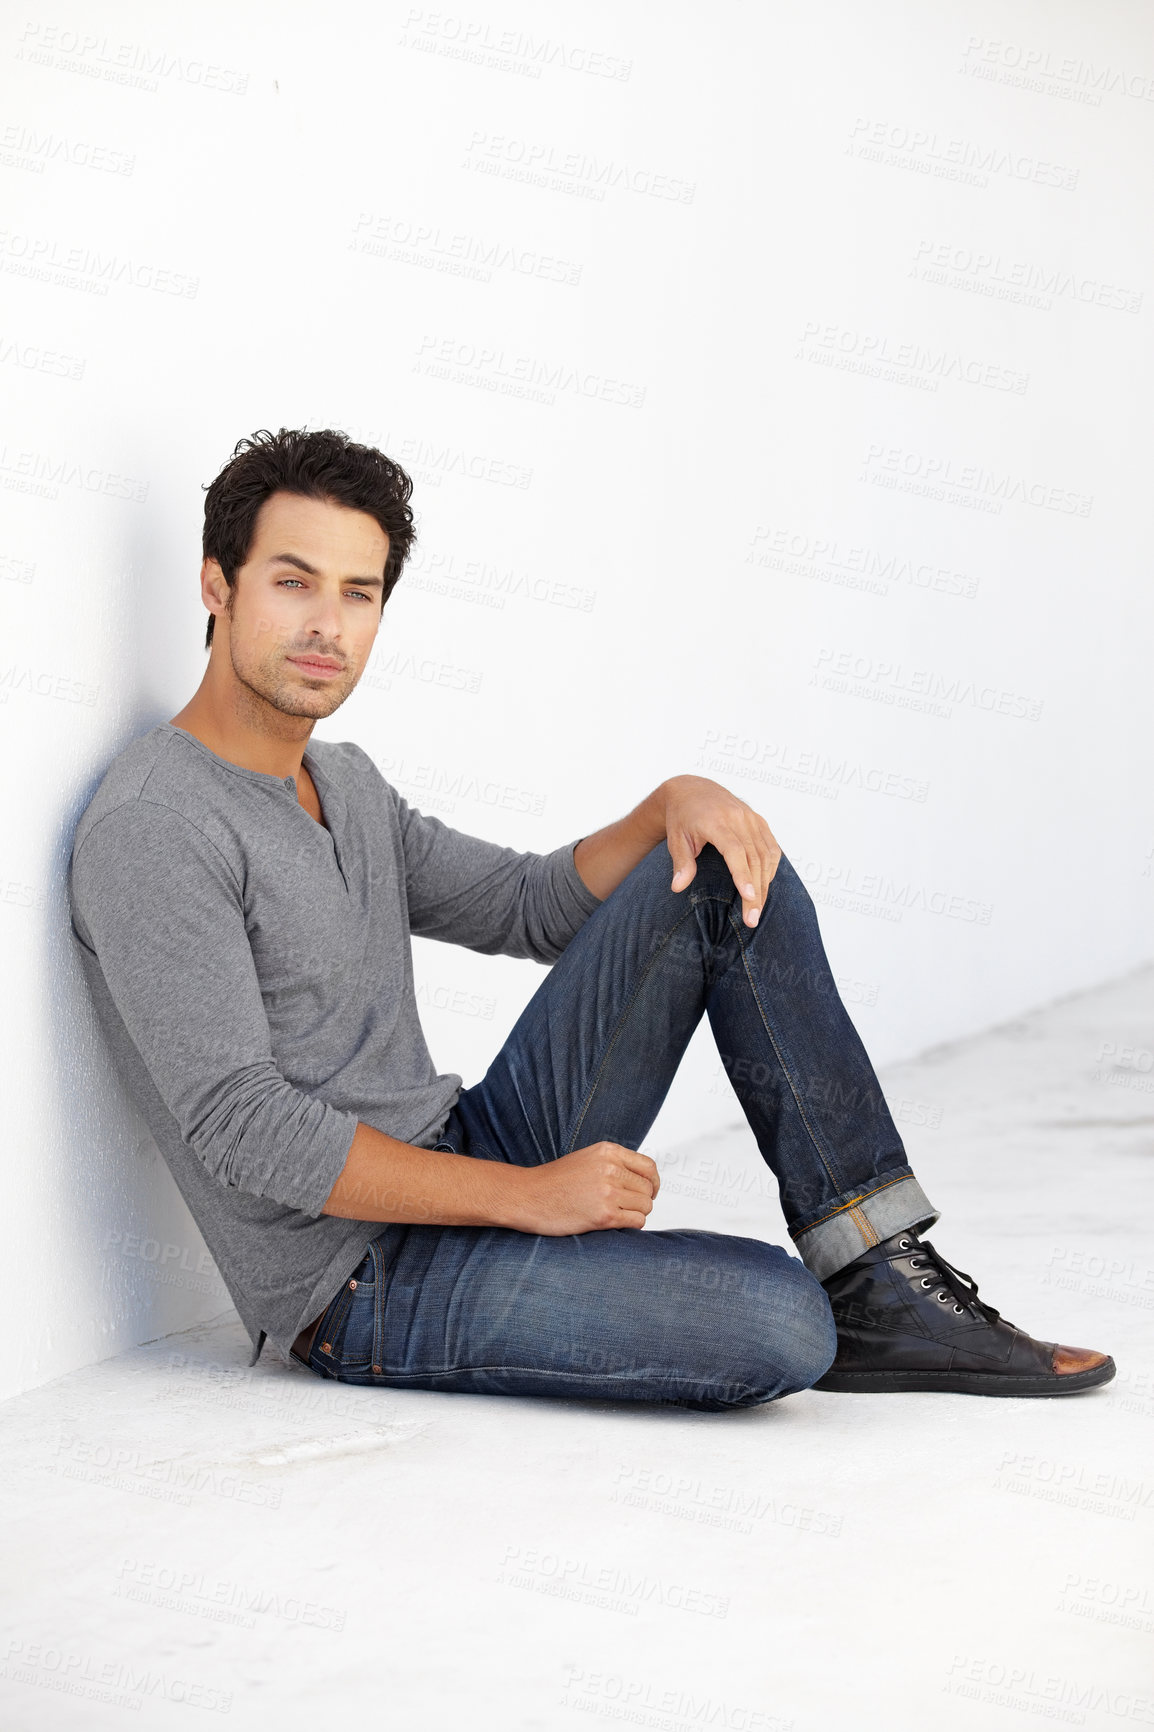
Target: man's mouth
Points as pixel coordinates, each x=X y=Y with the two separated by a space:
x=319 y=667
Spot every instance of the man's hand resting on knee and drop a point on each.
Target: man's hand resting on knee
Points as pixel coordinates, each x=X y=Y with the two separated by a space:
x=384 y=1179
x=604 y=1185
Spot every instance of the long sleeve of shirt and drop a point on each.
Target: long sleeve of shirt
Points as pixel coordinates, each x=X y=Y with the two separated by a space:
x=464 y=890
x=164 y=915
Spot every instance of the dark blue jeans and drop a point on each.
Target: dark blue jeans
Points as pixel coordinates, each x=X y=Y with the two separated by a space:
x=699 y=1319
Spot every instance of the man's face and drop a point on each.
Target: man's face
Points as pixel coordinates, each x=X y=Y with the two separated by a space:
x=311 y=587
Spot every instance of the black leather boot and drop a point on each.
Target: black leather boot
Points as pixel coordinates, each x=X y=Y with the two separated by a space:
x=907 y=1320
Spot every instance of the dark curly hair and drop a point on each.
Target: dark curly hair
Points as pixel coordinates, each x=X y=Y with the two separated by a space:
x=318 y=465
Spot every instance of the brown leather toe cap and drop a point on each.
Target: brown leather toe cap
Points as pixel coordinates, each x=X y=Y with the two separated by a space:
x=1064 y=1360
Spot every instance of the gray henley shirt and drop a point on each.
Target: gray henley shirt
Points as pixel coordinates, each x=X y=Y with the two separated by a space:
x=252 y=973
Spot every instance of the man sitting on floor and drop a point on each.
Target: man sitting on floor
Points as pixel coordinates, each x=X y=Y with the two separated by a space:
x=243 y=899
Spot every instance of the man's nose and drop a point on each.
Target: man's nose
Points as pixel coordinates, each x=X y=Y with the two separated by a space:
x=324 y=620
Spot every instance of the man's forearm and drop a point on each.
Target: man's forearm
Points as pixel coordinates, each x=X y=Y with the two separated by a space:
x=609 y=855
x=387 y=1180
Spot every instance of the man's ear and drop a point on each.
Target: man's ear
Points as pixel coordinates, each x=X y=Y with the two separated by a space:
x=214 y=589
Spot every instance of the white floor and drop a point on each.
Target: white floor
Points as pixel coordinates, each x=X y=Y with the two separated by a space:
x=187 y=1534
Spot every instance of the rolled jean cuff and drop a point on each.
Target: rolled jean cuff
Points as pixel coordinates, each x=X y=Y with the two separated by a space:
x=856 y=1222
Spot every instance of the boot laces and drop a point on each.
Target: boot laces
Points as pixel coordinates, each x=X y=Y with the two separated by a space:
x=963 y=1287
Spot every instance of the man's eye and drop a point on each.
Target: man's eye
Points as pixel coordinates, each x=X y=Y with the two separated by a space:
x=363 y=594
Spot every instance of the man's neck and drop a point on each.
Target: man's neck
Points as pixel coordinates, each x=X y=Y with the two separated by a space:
x=245 y=739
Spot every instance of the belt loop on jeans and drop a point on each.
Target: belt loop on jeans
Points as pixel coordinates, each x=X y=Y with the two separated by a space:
x=378 y=1257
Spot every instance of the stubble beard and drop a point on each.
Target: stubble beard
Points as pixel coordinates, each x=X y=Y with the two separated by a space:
x=271 y=684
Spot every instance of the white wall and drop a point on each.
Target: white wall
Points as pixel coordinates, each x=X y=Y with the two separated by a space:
x=775 y=381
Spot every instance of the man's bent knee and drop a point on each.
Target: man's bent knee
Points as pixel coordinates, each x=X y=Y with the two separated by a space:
x=791 y=1340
